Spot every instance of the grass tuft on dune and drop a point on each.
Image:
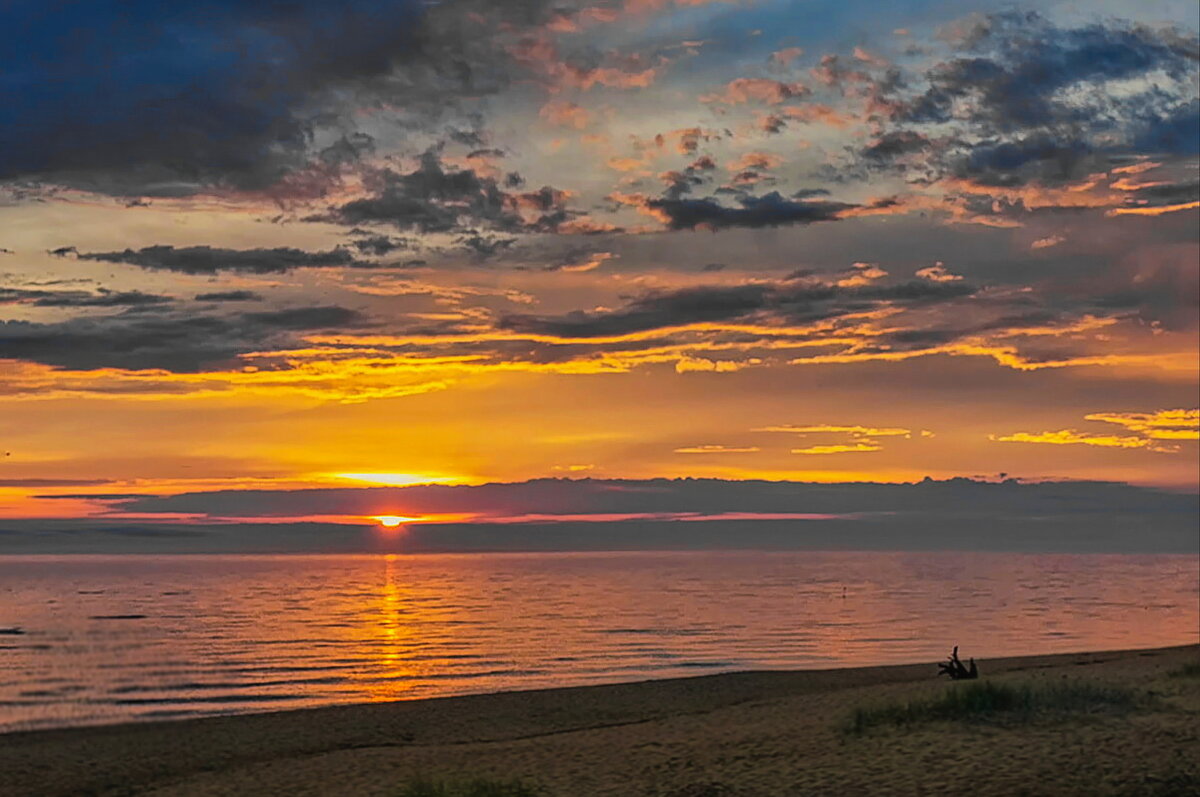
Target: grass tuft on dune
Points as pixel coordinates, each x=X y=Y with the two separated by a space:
x=420 y=787
x=989 y=701
x=1190 y=670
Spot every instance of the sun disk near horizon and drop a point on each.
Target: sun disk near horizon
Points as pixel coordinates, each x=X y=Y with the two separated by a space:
x=392 y=521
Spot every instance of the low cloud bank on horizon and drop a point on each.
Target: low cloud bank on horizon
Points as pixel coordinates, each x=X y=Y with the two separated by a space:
x=668 y=514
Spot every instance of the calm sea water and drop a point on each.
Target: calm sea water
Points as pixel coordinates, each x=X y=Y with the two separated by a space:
x=111 y=639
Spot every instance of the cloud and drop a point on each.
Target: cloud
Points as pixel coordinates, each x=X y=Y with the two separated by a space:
x=52 y=482
x=1047 y=242
x=1152 y=427
x=769 y=210
x=379 y=245
x=432 y=199
x=229 y=296
x=1162 y=425
x=938 y=273
x=66 y=299
x=1020 y=100
x=1019 y=65
x=581 y=261
x=957 y=514
x=804 y=300
x=764 y=90
x=176 y=95
x=852 y=448
x=714 y=449
x=1073 y=437
x=858 y=431
x=178 y=99
x=783 y=58
x=213 y=260
x=170 y=341
x=860 y=437
x=1154 y=210
x=566 y=114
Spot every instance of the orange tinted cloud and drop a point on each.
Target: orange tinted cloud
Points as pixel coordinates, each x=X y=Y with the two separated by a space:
x=1153 y=211
x=1047 y=242
x=565 y=114
x=758 y=161
x=539 y=54
x=717 y=450
x=1066 y=437
x=860 y=447
x=744 y=90
x=783 y=58
x=1162 y=425
x=858 y=431
x=937 y=273
x=861 y=274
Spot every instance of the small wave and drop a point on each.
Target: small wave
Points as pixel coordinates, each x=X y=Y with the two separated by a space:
x=191 y=686
x=118 y=617
x=184 y=700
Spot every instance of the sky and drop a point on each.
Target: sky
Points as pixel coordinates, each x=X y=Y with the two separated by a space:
x=263 y=266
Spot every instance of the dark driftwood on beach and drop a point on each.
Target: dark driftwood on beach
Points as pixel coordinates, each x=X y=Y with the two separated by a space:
x=955 y=668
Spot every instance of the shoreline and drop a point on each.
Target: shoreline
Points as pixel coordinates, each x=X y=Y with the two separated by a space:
x=561 y=738
x=1019 y=660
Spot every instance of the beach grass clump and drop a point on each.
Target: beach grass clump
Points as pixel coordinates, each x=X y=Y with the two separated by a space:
x=1189 y=670
x=479 y=787
x=998 y=702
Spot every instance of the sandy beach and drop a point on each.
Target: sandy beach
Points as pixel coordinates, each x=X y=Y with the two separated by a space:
x=756 y=733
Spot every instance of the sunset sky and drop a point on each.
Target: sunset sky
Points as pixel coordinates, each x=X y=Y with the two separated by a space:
x=278 y=246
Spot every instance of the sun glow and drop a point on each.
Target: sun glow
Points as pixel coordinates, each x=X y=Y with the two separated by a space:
x=392 y=521
x=397 y=479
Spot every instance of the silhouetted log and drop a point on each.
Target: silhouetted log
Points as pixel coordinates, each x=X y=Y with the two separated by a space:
x=957 y=671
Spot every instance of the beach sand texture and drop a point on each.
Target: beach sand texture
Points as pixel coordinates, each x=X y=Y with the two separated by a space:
x=760 y=734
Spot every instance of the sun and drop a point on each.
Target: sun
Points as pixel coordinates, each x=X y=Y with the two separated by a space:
x=391 y=521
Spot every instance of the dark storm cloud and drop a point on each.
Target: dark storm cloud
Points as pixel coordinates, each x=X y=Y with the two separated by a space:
x=786 y=301
x=429 y=199
x=1019 y=63
x=894 y=144
x=1167 y=193
x=181 y=92
x=152 y=98
x=211 y=260
x=1003 y=163
x=433 y=198
x=485 y=245
x=769 y=210
x=1024 y=100
x=229 y=296
x=957 y=514
x=169 y=341
x=1176 y=131
x=379 y=245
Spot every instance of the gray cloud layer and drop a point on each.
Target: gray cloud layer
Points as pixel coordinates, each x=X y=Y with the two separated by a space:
x=796 y=301
x=959 y=514
x=172 y=341
x=212 y=260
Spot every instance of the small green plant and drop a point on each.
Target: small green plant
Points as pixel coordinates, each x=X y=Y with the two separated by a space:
x=422 y=787
x=985 y=700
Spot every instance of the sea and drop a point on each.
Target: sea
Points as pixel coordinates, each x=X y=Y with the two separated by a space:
x=105 y=639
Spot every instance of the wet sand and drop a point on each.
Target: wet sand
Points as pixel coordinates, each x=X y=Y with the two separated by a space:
x=755 y=734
